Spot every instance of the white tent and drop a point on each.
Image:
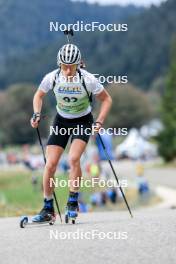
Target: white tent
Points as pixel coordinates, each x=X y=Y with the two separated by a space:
x=152 y=129
x=135 y=147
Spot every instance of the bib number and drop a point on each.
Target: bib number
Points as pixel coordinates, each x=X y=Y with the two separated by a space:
x=69 y=100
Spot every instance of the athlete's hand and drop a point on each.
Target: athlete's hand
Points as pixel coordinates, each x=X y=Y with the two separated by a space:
x=35 y=120
x=96 y=127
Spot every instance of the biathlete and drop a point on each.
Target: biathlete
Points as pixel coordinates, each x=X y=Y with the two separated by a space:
x=73 y=88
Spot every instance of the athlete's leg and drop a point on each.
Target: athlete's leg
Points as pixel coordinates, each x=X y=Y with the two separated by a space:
x=76 y=150
x=53 y=154
x=55 y=147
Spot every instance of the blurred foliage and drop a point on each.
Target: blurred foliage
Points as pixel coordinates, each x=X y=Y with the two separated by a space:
x=154 y=99
x=142 y=52
x=131 y=107
x=28 y=51
x=167 y=138
x=159 y=84
x=25 y=33
x=15 y=114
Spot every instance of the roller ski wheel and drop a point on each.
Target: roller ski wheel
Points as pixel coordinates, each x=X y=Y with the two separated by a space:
x=72 y=208
x=71 y=215
x=66 y=219
x=24 y=221
x=53 y=220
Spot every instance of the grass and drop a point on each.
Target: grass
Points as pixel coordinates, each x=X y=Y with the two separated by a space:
x=17 y=194
x=19 y=197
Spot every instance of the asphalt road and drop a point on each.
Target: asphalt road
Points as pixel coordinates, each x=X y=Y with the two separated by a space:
x=150 y=237
x=155 y=175
x=109 y=237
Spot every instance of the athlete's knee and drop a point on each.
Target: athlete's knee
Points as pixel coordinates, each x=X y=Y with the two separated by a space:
x=74 y=161
x=51 y=167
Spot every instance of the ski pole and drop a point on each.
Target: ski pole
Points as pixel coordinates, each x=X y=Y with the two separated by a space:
x=43 y=152
x=110 y=163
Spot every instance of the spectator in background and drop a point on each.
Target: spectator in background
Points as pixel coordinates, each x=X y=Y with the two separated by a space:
x=143 y=187
x=112 y=195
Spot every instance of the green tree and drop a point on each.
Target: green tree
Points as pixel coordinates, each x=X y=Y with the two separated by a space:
x=130 y=108
x=167 y=138
x=15 y=114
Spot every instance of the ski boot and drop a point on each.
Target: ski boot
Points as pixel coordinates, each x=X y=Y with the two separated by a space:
x=46 y=215
x=72 y=208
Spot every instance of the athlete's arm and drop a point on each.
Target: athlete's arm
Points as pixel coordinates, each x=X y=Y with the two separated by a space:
x=106 y=102
x=37 y=106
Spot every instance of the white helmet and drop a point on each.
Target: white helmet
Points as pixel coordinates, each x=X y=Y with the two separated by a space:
x=69 y=54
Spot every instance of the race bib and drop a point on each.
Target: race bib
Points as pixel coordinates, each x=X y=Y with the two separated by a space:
x=71 y=98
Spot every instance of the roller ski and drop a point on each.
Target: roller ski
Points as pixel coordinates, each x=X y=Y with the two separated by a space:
x=46 y=215
x=72 y=208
